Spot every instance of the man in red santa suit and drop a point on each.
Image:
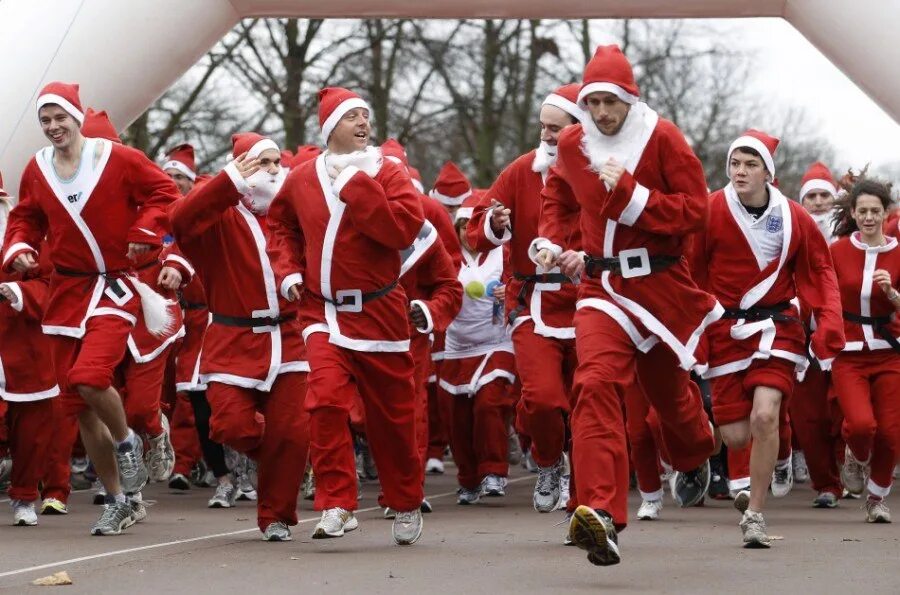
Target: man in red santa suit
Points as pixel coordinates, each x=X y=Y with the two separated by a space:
x=540 y=304
x=451 y=188
x=253 y=362
x=758 y=252
x=340 y=223
x=180 y=165
x=637 y=190
x=102 y=206
x=818 y=191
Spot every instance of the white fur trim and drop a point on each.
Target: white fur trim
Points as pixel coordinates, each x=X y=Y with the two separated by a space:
x=450 y=201
x=489 y=232
x=191 y=175
x=155 y=308
x=260 y=146
x=755 y=144
x=20 y=301
x=417 y=185
x=240 y=184
x=28 y=397
x=51 y=99
x=344 y=177
x=538 y=244
x=104 y=311
x=288 y=282
x=396 y=160
x=876 y=490
x=817 y=184
x=430 y=321
x=338 y=113
x=20 y=247
x=464 y=213
x=183 y=262
x=565 y=105
x=608 y=88
x=635 y=206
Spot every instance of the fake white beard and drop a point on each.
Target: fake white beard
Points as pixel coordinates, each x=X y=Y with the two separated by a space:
x=368 y=160
x=623 y=145
x=825 y=224
x=544 y=158
x=263 y=189
x=5 y=208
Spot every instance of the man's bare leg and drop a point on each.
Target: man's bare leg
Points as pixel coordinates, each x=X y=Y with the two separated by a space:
x=107 y=405
x=764 y=453
x=100 y=447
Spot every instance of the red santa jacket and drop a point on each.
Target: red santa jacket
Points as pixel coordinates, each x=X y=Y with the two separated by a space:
x=854 y=263
x=26 y=371
x=226 y=243
x=658 y=202
x=343 y=239
x=550 y=305
x=728 y=262
x=118 y=196
x=428 y=276
x=196 y=318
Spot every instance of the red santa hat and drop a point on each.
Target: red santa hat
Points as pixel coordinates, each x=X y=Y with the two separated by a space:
x=760 y=142
x=610 y=71
x=393 y=150
x=252 y=144
x=467 y=208
x=566 y=99
x=287 y=158
x=306 y=153
x=452 y=186
x=181 y=158
x=817 y=177
x=65 y=95
x=334 y=102
x=98 y=125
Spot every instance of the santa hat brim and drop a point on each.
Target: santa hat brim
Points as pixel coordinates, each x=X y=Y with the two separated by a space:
x=565 y=105
x=260 y=146
x=817 y=185
x=463 y=213
x=53 y=99
x=606 y=88
x=180 y=167
x=450 y=201
x=755 y=144
x=338 y=113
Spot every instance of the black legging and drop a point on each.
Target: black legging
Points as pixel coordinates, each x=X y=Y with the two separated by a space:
x=213 y=452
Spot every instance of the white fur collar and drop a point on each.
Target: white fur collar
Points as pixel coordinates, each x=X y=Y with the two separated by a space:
x=627 y=145
x=368 y=160
x=544 y=158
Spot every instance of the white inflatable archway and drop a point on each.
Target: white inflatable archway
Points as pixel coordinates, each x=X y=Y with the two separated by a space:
x=125 y=54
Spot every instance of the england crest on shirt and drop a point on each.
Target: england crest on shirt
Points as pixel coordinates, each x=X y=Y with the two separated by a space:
x=774 y=224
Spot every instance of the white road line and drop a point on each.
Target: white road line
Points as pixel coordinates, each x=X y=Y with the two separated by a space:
x=193 y=539
x=4 y=500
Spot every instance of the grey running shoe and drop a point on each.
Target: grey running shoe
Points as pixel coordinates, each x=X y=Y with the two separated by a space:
x=801 y=470
x=753 y=527
x=116 y=517
x=334 y=523
x=138 y=508
x=224 y=497
x=132 y=471
x=825 y=500
x=426 y=507
x=742 y=501
x=691 y=486
x=593 y=531
x=179 y=482
x=161 y=454
x=466 y=497
x=99 y=493
x=79 y=464
x=5 y=471
x=365 y=464
x=308 y=489
x=390 y=514
x=24 y=514
x=493 y=486
x=782 y=480
x=528 y=463
x=277 y=532
x=408 y=527
x=546 y=488
x=877 y=511
x=514 y=456
x=854 y=473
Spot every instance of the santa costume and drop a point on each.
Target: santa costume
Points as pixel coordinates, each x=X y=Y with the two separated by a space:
x=253 y=361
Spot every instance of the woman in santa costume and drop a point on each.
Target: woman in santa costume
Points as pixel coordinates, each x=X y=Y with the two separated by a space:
x=102 y=206
x=539 y=304
x=339 y=225
x=637 y=191
x=866 y=374
x=759 y=251
x=253 y=362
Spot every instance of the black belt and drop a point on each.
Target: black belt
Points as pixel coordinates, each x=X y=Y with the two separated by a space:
x=71 y=273
x=757 y=313
x=593 y=265
x=359 y=298
x=879 y=324
x=191 y=305
x=248 y=322
x=527 y=281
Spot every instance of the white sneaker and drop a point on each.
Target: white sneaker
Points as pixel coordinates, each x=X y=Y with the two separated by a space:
x=801 y=471
x=753 y=526
x=782 y=480
x=224 y=497
x=434 y=466
x=407 y=527
x=138 y=508
x=877 y=511
x=649 y=510
x=161 y=454
x=24 y=514
x=493 y=486
x=854 y=473
x=546 y=488
x=334 y=523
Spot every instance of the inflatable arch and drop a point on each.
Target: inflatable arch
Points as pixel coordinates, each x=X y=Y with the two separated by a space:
x=125 y=54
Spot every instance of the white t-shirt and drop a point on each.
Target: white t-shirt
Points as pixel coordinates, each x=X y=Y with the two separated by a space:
x=766 y=231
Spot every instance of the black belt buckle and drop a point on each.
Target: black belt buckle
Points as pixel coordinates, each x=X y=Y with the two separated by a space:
x=116 y=287
x=355 y=304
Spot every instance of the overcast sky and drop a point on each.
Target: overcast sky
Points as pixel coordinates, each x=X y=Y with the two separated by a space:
x=797 y=72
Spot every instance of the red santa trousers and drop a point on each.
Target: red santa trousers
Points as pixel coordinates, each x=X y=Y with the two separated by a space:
x=278 y=440
x=545 y=367
x=867 y=385
x=384 y=381
x=815 y=421
x=645 y=455
x=4 y=438
x=479 y=438
x=420 y=348
x=607 y=362
x=30 y=432
x=440 y=415
x=185 y=441
x=142 y=385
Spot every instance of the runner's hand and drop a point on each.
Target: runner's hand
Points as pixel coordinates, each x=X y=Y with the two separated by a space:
x=25 y=262
x=135 y=250
x=246 y=167
x=169 y=278
x=571 y=264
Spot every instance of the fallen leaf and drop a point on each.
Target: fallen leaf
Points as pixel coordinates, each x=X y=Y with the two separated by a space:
x=294 y=558
x=54 y=580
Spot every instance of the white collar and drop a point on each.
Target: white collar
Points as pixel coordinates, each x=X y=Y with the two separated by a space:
x=856 y=240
